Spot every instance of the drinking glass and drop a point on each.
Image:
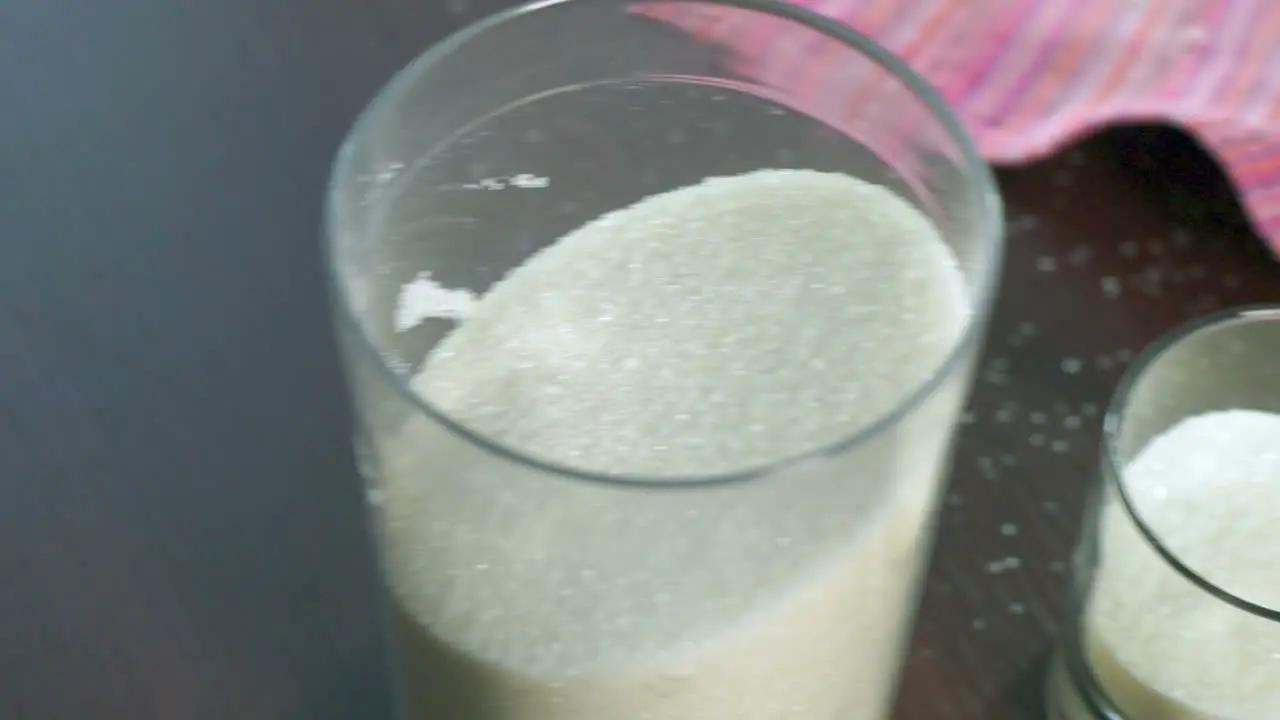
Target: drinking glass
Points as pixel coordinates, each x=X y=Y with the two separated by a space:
x=503 y=138
x=1226 y=361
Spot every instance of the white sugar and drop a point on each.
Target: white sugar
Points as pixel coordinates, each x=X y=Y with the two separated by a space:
x=703 y=331
x=424 y=298
x=1210 y=489
x=708 y=330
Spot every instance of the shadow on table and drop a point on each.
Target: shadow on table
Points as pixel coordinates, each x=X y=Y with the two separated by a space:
x=1181 y=177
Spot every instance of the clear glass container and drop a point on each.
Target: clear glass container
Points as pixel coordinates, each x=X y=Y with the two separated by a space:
x=490 y=146
x=1193 y=628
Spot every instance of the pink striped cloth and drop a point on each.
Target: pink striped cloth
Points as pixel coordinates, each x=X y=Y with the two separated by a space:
x=1026 y=76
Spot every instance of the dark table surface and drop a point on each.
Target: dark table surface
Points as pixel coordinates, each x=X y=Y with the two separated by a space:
x=180 y=522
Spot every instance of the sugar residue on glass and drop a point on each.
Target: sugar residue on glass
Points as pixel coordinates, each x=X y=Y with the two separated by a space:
x=423 y=298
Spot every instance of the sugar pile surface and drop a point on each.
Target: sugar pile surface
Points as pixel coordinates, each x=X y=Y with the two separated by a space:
x=734 y=323
x=719 y=327
x=1210 y=489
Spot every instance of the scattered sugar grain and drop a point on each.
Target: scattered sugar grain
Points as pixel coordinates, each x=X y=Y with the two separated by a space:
x=1111 y=287
x=1005 y=564
x=988 y=468
x=1023 y=223
x=1080 y=255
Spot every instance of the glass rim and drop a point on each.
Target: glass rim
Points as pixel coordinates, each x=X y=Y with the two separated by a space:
x=1113 y=425
x=1084 y=682
x=988 y=209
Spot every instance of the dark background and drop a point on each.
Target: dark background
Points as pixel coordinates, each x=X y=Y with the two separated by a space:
x=180 y=522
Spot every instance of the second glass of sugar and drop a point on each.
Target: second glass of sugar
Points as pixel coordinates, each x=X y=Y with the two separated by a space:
x=1176 y=610
x=658 y=319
